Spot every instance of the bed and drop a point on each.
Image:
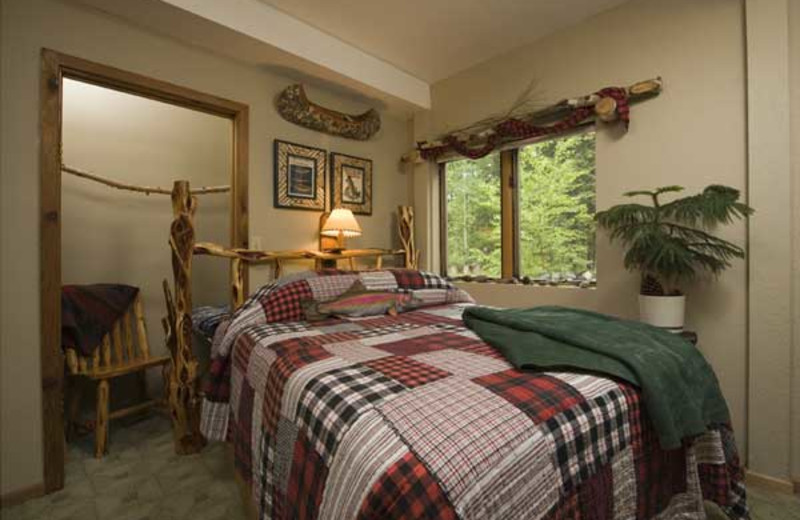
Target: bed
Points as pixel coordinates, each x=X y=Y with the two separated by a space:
x=413 y=416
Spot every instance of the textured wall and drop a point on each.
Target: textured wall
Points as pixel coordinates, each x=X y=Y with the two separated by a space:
x=29 y=25
x=692 y=135
x=113 y=236
x=794 y=96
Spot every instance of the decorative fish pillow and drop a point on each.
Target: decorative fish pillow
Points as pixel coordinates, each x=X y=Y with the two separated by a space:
x=357 y=301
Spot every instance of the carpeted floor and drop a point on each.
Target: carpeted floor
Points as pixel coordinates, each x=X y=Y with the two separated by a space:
x=142 y=479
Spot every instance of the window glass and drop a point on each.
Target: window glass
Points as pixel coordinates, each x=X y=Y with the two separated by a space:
x=473 y=216
x=556 y=206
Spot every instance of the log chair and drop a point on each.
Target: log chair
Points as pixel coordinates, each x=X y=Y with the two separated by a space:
x=119 y=354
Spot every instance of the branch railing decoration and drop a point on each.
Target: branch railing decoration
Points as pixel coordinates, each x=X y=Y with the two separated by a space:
x=183 y=392
x=184 y=377
x=181 y=379
x=610 y=104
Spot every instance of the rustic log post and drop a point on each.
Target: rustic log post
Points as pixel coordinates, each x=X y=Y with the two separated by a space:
x=182 y=392
x=237 y=283
x=101 y=427
x=405 y=224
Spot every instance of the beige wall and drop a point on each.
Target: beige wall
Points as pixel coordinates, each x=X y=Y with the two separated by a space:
x=112 y=236
x=769 y=238
x=29 y=25
x=692 y=135
x=794 y=96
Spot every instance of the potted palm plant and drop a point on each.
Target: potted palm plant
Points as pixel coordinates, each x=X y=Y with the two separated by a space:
x=671 y=243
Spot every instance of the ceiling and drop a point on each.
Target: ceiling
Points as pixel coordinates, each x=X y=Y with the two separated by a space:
x=434 y=39
x=385 y=53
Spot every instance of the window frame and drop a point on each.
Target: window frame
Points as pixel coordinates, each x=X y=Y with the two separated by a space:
x=509 y=206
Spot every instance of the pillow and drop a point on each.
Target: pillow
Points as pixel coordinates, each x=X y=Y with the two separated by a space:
x=282 y=300
x=357 y=301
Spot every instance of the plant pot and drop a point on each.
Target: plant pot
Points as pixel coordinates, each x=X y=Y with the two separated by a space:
x=666 y=312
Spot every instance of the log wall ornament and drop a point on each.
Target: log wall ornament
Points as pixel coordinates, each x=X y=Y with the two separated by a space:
x=611 y=104
x=182 y=391
x=294 y=106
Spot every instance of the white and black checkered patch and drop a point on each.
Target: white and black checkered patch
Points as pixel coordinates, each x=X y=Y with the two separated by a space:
x=589 y=435
x=333 y=401
x=267 y=330
x=434 y=281
x=371 y=332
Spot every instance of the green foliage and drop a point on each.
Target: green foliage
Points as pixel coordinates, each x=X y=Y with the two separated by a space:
x=670 y=242
x=556 y=205
x=473 y=216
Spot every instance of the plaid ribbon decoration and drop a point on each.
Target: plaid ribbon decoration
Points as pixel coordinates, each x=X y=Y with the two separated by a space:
x=516 y=129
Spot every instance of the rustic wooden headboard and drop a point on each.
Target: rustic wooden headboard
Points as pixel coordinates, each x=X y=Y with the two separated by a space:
x=183 y=393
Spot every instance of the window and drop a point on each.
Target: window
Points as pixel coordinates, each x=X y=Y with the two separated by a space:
x=473 y=216
x=527 y=212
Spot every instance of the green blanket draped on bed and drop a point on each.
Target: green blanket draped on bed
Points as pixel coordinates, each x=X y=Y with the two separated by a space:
x=679 y=388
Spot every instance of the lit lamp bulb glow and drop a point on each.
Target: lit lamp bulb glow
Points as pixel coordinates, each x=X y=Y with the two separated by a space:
x=340 y=224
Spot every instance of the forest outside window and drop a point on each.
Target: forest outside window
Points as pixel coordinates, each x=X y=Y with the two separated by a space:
x=525 y=213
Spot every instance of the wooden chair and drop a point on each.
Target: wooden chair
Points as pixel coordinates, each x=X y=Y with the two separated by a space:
x=119 y=354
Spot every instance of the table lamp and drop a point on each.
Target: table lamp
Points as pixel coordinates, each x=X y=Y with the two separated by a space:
x=340 y=224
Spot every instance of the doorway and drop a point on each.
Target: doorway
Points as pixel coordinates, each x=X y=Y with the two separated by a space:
x=76 y=77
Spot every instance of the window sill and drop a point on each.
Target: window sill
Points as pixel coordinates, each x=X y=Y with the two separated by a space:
x=526 y=282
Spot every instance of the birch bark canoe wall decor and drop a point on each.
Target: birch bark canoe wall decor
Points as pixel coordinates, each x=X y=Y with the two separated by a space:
x=294 y=106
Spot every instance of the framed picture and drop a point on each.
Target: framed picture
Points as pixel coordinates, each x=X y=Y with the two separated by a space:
x=351 y=183
x=299 y=176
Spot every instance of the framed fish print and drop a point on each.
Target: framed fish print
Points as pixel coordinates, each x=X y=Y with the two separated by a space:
x=351 y=183
x=299 y=176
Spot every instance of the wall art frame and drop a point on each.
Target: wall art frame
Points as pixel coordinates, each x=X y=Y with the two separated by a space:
x=351 y=183
x=299 y=176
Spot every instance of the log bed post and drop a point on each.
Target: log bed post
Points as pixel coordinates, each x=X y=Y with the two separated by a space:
x=405 y=225
x=182 y=391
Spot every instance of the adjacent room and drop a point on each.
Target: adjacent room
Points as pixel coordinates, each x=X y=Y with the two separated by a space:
x=273 y=259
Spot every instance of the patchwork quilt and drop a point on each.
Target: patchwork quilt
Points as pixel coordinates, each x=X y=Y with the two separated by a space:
x=413 y=416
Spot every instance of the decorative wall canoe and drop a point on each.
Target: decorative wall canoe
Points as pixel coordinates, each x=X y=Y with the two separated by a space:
x=294 y=106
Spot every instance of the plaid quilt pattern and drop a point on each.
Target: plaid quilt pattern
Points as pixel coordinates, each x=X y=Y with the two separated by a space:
x=333 y=401
x=407 y=490
x=206 y=319
x=407 y=371
x=541 y=396
x=411 y=416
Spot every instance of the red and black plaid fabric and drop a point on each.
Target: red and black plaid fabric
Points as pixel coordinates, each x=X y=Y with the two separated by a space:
x=306 y=481
x=410 y=346
x=411 y=416
x=286 y=304
x=715 y=481
x=407 y=371
x=409 y=279
x=538 y=395
x=407 y=491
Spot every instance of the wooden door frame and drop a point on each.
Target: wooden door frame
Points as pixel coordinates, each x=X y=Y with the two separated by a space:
x=55 y=66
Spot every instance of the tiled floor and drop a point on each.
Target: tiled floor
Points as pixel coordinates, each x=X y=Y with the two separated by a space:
x=142 y=479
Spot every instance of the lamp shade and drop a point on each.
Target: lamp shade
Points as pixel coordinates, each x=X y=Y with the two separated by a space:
x=341 y=221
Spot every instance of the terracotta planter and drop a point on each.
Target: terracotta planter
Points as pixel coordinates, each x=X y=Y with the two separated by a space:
x=666 y=312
